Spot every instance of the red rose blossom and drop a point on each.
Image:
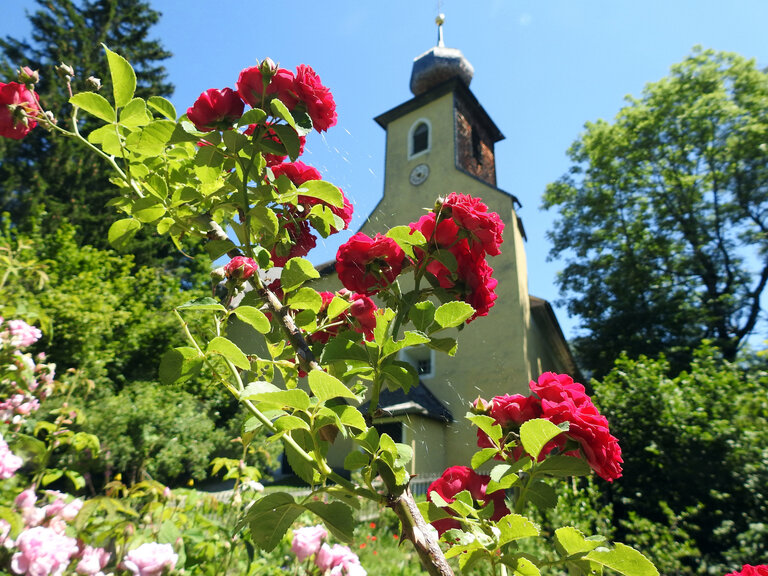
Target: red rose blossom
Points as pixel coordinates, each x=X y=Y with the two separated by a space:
x=472 y=215
x=216 y=110
x=19 y=108
x=300 y=241
x=749 y=570
x=363 y=311
x=240 y=268
x=316 y=97
x=368 y=265
x=250 y=86
x=360 y=316
x=457 y=479
x=445 y=236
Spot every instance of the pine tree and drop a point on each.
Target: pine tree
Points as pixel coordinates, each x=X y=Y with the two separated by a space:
x=45 y=180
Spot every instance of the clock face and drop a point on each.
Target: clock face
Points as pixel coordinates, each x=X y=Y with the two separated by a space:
x=419 y=174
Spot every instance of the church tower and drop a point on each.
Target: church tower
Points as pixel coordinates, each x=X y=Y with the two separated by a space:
x=438 y=142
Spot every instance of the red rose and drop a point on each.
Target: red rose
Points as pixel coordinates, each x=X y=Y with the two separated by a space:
x=368 y=265
x=216 y=110
x=297 y=172
x=445 y=236
x=240 y=268
x=363 y=311
x=509 y=412
x=472 y=215
x=749 y=570
x=475 y=283
x=563 y=400
x=250 y=86
x=316 y=97
x=18 y=110
x=457 y=479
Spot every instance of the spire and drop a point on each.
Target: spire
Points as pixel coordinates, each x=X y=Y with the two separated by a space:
x=439 y=64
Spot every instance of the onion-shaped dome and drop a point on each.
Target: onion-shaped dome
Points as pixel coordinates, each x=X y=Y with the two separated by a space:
x=439 y=64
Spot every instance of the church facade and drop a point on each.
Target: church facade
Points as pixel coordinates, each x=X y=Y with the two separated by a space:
x=438 y=142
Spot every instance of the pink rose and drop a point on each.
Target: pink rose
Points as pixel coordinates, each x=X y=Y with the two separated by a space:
x=92 y=561
x=150 y=559
x=42 y=552
x=9 y=462
x=250 y=86
x=240 y=268
x=19 y=108
x=26 y=499
x=340 y=560
x=307 y=541
x=316 y=97
x=22 y=334
x=368 y=265
x=216 y=110
x=457 y=479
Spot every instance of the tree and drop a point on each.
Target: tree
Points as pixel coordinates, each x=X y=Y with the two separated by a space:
x=46 y=174
x=663 y=217
x=695 y=459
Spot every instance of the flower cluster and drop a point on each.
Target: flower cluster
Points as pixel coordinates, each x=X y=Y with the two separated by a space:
x=558 y=399
x=150 y=559
x=218 y=109
x=19 y=110
x=18 y=334
x=360 y=316
x=462 y=226
x=9 y=462
x=368 y=265
x=457 y=479
x=336 y=560
x=748 y=570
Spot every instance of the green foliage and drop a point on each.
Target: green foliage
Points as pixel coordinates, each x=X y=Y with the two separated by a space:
x=47 y=175
x=141 y=435
x=695 y=486
x=662 y=216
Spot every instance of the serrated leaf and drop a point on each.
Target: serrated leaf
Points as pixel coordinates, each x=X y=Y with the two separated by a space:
x=280 y=110
x=514 y=527
x=445 y=345
x=336 y=516
x=289 y=138
x=481 y=457
x=422 y=314
x=324 y=191
x=289 y=422
x=537 y=433
x=252 y=116
x=135 y=113
x=270 y=518
x=343 y=349
x=205 y=303
x=296 y=272
x=253 y=317
x=350 y=416
x=336 y=307
x=107 y=138
x=163 y=106
x=453 y=314
x=356 y=460
x=563 y=466
x=228 y=350
x=624 y=560
x=541 y=495
x=570 y=541
x=122 y=232
x=325 y=386
x=123 y=78
x=406 y=239
x=94 y=104
x=400 y=375
x=410 y=338
x=521 y=566
x=180 y=364
x=487 y=424
x=305 y=299
x=295 y=399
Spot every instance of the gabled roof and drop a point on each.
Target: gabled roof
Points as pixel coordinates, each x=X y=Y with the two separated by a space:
x=419 y=401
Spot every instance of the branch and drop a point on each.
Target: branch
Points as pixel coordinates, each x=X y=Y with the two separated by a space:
x=416 y=530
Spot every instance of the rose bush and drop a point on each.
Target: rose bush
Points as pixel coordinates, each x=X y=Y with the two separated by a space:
x=220 y=169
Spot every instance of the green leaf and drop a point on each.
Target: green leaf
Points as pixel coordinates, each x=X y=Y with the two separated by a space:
x=303 y=469
x=94 y=104
x=487 y=424
x=624 y=560
x=123 y=78
x=481 y=457
x=217 y=248
x=400 y=375
x=325 y=386
x=410 y=338
x=542 y=495
x=535 y=434
x=148 y=210
x=135 y=113
x=343 y=349
x=289 y=138
x=453 y=314
x=179 y=365
x=51 y=475
x=253 y=317
x=563 y=466
x=122 y=232
x=107 y=138
x=422 y=314
x=295 y=399
x=296 y=272
x=228 y=350
x=152 y=138
x=350 y=416
x=76 y=478
x=289 y=422
x=514 y=527
x=406 y=239
x=280 y=110
x=204 y=303
x=252 y=116
x=356 y=460
x=163 y=106
x=336 y=307
x=270 y=518
x=324 y=191
x=445 y=345
x=521 y=566
x=336 y=516
x=569 y=541
x=306 y=299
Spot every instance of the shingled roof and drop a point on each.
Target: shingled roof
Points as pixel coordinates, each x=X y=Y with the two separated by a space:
x=419 y=400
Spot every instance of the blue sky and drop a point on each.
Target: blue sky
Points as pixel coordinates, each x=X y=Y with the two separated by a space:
x=542 y=69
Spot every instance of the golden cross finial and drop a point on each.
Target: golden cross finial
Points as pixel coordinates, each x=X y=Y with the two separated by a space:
x=440 y=20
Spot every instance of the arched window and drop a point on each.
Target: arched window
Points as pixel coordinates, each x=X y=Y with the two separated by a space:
x=419 y=138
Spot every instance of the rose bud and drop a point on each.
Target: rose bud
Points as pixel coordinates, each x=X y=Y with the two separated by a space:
x=240 y=268
x=64 y=71
x=28 y=76
x=92 y=83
